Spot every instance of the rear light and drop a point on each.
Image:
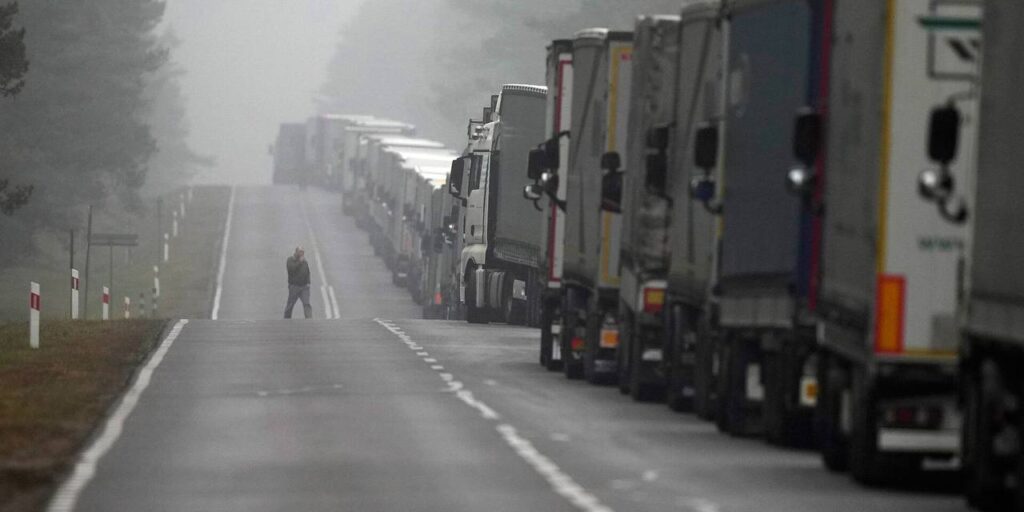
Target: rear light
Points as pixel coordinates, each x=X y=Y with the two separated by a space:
x=912 y=416
x=437 y=298
x=576 y=344
x=610 y=337
x=654 y=300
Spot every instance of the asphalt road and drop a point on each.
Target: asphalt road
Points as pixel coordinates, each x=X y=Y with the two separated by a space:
x=376 y=410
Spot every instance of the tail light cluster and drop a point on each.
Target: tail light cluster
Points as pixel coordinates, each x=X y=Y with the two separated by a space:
x=912 y=416
x=653 y=300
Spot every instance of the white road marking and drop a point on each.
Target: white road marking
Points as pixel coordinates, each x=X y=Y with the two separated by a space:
x=437 y=367
x=423 y=354
x=650 y=475
x=560 y=482
x=430 y=360
x=491 y=382
x=223 y=257
x=67 y=495
x=328 y=313
x=334 y=302
x=560 y=437
x=701 y=505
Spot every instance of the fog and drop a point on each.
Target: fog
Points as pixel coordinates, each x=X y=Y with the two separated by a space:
x=249 y=65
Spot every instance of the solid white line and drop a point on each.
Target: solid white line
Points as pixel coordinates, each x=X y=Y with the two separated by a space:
x=85 y=468
x=334 y=302
x=223 y=256
x=319 y=261
x=560 y=482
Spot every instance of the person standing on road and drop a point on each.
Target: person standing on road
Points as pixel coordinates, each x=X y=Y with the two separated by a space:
x=298 y=283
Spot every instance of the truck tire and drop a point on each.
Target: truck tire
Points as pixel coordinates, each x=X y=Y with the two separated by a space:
x=639 y=390
x=733 y=415
x=474 y=315
x=704 y=383
x=623 y=370
x=868 y=465
x=983 y=392
x=785 y=423
x=833 y=443
x=677 y=327
x=571 y=365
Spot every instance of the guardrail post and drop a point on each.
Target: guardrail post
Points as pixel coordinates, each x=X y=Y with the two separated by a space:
x=34 y=307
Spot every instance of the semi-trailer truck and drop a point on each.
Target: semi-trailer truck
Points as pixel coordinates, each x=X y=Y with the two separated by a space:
x=892 y=268
x=776 y=71
x=346 y=172
x=691 y=332
x=501 y=232
x=645 y=208
x=548 y=166
x=590 y=272
x=289 y=152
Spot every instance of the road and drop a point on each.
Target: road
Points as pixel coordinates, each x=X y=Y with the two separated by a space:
x=376 y=410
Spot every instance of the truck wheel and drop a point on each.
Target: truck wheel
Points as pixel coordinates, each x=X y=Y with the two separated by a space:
x=704 y=372
x=639 y=390
x=984 y=391
x=590 y=346
x=868 y=465
x=673 y=339
x=734 y=415
x=832 y=441
x=474 y=315
x=623 y=370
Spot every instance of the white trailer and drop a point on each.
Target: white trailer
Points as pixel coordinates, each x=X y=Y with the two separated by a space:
x=891 y=268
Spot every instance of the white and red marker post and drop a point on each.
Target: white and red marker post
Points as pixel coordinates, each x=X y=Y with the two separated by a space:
x=75 y=282
x=127 y=308
x=35 y=304
x=106 y=303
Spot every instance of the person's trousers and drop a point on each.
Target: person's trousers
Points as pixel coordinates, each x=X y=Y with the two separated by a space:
x=298 y=293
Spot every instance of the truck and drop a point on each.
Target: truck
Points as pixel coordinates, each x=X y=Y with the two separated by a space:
x=690 y=308
x=891 y=269
x=645 y=208
x=406 y=167
x=328 y=137
x=346 y=172
x=768 y=238
x=590 y=269
x=990 y=312
x=423 y=281
x=547 y=167
x=289 y=152
x=501 y=232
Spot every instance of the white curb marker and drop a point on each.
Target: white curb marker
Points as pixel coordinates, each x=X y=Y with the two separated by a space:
x=223 y=256
x=74 y=294
x=35 y=304
x=560 y=482
x=67 y=495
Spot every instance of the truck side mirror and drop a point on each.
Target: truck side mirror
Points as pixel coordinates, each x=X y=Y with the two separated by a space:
x=549 y=181
x=537 y=163
x=657 y=169
x=944 y=134
x=705 y=155
x=611 y=191
x=455 y=178
x=807 y=136
x=533 y=192
x=657 y=138
x=702 y=189
x=611 y=161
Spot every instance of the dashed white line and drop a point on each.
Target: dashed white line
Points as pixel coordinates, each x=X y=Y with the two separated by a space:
x=327 y=302
x=223 y=257
x=328 y=312
x=334 y=302
x=559 y=481
x=67 y=496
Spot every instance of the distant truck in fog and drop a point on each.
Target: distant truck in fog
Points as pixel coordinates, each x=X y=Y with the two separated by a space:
x=289 y=152
x=331 y=141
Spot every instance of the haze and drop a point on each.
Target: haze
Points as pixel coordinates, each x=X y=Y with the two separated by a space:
x=250 y=64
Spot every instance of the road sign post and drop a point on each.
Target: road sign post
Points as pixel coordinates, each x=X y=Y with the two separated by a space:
x=74 y=293
x=34 y=307
x=106 y=303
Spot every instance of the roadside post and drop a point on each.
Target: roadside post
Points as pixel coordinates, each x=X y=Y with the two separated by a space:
x=114 y=240
x=167 y=247
x=174 y=224
x=34 y=306
x=142 y=304
x=127 y=307
x=156 y=287
x=106 y=303
x=182 y=202
x=74 y=293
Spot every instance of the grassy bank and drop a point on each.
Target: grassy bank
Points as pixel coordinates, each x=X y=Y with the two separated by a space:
x=52 y=399
x=186 y=279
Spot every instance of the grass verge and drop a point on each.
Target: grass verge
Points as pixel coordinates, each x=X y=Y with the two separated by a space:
x=52 y=399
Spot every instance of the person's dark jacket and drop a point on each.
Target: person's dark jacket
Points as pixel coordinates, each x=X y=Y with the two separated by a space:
x=298 y=272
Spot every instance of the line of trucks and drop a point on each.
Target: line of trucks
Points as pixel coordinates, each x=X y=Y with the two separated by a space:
x=794 y=218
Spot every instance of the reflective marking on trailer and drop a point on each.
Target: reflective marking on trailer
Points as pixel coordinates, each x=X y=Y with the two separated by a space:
x=808 y=391
x=609 y=338
x=651 y=354
x=755 y=391
x=919 y=441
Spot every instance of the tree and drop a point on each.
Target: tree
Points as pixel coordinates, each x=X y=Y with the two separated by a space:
x=13 y=64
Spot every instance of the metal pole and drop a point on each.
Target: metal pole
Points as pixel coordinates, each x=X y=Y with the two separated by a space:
x=111 y=285
x=72 y=267
x=88 y=249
